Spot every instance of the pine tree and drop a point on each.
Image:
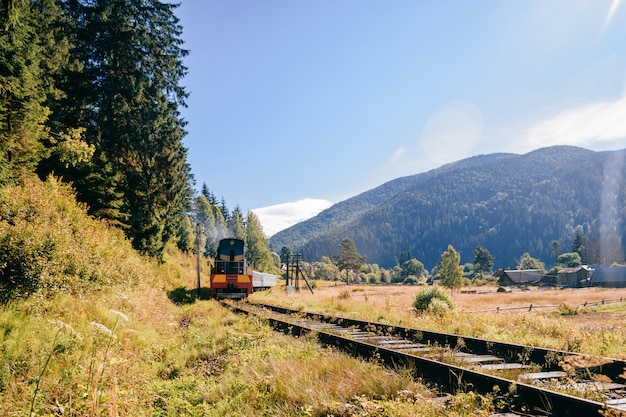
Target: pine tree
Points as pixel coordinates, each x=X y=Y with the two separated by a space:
x=258 y=253
x=23 y=113
x=483 y=260
x=348 y=258
x=236 y=224
x=204 y=215
x=123 y=86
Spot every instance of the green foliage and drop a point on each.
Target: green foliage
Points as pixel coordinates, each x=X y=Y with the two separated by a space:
x=258 y=252
x=186 y=237
x=236 y=224
x=121 y=82
x=451 y=272
x=412 y=267
x=569 y=260
x=506 y=203
x=47 y=242
x=433 y=299
x=528 y=262
x=410 y=280
x=483 y=261
x=348 y=259
x=24 y=84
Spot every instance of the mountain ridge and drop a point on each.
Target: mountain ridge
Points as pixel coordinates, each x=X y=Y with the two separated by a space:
x=507 y=203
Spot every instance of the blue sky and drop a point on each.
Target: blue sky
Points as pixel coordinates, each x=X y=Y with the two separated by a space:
x=295 y=105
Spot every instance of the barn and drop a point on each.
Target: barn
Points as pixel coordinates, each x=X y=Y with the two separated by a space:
x=609 y=277
x=574 y=277
x=519 y=277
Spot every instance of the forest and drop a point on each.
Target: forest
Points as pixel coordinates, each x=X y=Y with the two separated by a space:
x=90 y=92
x=509 y=204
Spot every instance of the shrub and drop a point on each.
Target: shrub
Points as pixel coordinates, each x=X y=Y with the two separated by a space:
x=48 y=242
x=410 y=280
x=425 y=298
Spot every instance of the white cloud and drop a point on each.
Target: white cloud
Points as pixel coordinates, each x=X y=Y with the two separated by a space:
x=280 y=216
x=597 y=124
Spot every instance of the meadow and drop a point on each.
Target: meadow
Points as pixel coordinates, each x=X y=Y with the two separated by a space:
x=88 y=327
x=95 y=329
x=568 y=319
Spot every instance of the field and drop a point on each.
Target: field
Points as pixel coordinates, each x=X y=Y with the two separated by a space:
x=571 y=319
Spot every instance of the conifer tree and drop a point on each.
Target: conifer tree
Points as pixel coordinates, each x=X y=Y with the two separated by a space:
x=23 y=113
x=236 y=224
x=348 y=258
x=258 y=245
x=205 y=216
x=123 y=87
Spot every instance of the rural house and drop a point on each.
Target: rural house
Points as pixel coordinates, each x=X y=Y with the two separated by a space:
x=519 y=277
x=574 y=277
x=609 y=277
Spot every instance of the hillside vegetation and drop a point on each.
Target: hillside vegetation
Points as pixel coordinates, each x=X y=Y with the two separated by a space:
x=89 y=327
x=509 y=204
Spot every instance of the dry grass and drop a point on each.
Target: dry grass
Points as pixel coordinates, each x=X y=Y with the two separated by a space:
x=95 y=331
x=597 y=330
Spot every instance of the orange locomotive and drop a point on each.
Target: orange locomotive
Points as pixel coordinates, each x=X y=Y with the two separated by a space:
x=231 y=277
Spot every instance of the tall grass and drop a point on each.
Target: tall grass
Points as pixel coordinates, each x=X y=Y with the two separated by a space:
x=92 y=332
x=545 y=329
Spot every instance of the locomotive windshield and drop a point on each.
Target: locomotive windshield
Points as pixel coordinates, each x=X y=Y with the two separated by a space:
x=230 y=257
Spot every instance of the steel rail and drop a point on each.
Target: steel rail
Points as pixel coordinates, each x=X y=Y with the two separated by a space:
x=452 y=378
x=549 y=359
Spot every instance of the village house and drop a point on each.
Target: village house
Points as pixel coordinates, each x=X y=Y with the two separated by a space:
x=519 y=277
x=574 y=277
x=609 y=277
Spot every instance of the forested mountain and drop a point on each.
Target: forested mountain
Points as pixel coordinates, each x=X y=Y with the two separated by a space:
x=507 y=203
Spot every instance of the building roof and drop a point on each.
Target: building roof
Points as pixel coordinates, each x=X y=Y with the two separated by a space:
x=575 y=269
x=609 y=274
x=520 y=276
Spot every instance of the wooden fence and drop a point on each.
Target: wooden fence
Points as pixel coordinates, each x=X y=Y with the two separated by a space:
x=532 y=307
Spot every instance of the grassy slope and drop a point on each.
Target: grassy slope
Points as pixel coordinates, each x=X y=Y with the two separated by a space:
x=87 y=329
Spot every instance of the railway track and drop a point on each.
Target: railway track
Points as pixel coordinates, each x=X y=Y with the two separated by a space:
x=535 y=381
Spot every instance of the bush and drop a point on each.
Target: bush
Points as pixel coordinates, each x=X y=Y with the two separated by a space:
x=410 y=280
x=432 y=299
x=48 y=242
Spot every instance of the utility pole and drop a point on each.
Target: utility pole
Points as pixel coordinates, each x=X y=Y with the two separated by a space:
x=199 y=230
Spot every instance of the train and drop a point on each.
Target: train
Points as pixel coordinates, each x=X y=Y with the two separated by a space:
x=232 y=277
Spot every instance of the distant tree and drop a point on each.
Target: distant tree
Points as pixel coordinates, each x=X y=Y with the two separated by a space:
x=451 y=272
x=412 y=267
x=556 y=246
x=186 y=236
x=204 y=216
x=220 y=224
x=569 y=260
x=348 y=258
x=404 y=256
x=285 y=253
x=579 y=247
x=208 y=195
x=258 y=252
x=483 y=261
x=224 y=209
x=325 y=269
x=236 y=225
x=528 y=262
